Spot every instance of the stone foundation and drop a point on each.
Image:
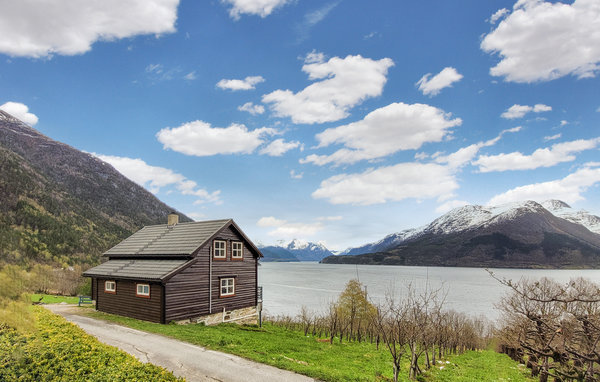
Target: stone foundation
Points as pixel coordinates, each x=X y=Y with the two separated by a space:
x=244 y=316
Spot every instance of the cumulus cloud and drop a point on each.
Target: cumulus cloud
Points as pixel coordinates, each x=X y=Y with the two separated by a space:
x=279 y=147
x=498 y=15
x=20 y=111
x=569 y=189
x=546 y=157
x=154 y=178
x=432 y=86
x=252 y=108
x=295 y=175
x=199 y=138
x=542 y=41
x=247 y=83
x=344 y=83
x=519 y=111
x=390 y=183
x=466 y=154
x=382 y=132
x=30 y=28
x=289 y=230
x=262 y=8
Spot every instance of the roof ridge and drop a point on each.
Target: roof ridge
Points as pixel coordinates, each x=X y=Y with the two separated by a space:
x=153 y=240
x=182 y=223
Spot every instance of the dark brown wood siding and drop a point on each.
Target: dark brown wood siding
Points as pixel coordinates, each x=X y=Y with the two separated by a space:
x=94 y=289
x=125 y=302
x=187 y=293
x=244 y=272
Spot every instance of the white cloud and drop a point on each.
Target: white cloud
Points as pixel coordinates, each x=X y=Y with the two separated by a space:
x=190 y=76
x=498 y=15
x=563 y=123
x=20 y=111
x=313 y=18
x=519 y=111
x=552 y=137
x=542 y=41
x=252 y=108
x=464 y=155
x=195 y=215
x=200 y=139
x=432 y=86
x=279 y=147
x=261 y=8
x=30 y=28
x=345 y=83
x=247 y=83
x=568 y=189
x=546 y=157
x=154 y=178
x=288 y=230
x=382 y=132
x=330 y=218
x=391 y=183
x=295 y=175
x=450 y=205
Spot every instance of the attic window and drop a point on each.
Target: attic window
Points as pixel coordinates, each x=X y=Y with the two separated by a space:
x=227 y=287
x=143 y=290
x=110 y=286
x=219 y=249
x=237 y=250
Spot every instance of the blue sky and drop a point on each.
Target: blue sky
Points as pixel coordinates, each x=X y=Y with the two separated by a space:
x=335 y=121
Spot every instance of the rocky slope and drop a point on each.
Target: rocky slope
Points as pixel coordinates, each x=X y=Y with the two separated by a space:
x=63 y=206
x=521 y=235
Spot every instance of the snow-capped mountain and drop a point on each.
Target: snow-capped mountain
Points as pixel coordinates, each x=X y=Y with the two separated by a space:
x=563 y=210
x=301 y=250
x=523 y=234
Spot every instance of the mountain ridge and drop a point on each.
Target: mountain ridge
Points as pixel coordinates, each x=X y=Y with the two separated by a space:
x=63 y=206
x=523 y=234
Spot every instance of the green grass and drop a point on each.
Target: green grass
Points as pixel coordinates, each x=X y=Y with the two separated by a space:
x=291 y=350
x=51 y=299
x=481 y=366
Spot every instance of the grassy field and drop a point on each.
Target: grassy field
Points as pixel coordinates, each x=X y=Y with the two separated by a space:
x=60 y=351
x=51 y=299
x=338 y=362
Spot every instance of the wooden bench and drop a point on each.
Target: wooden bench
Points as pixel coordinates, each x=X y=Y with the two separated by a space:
x=85 y=300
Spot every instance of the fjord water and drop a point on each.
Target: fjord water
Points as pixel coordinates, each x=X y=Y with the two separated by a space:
x=289 y=286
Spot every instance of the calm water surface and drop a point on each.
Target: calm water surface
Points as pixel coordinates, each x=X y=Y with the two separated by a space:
x=289 y=286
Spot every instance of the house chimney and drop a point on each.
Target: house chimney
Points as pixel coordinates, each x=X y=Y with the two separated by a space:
x=173 y=219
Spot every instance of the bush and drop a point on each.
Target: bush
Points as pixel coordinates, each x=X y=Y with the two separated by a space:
x=60 y=351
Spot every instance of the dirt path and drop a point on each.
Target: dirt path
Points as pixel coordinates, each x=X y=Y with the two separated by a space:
x=183 y=359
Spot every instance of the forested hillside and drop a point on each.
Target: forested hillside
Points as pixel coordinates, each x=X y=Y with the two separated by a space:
x=61 y=206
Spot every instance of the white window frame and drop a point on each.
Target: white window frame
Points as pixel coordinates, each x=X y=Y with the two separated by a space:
x=237 y=253
x=142 y=293
x=227 y=283
x=217 y=251
x=107 y=287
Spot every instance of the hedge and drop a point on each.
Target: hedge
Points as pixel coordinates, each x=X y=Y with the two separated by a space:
x=60 y=351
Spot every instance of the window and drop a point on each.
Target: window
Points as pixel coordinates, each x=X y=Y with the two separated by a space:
x=143 y=290
x=219 y=249
x=237 y=250
x=227 y=287
x=110 y=286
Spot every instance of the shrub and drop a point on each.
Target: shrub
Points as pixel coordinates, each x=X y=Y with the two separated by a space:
x=60 y=351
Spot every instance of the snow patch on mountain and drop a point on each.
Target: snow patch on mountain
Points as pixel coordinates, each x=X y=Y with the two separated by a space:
x=475 y=216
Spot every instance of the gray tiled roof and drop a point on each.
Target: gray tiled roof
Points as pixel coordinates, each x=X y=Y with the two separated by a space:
x=180 y=239
x=136 y=269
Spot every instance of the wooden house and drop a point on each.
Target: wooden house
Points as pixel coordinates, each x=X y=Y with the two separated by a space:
x=199 y=271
